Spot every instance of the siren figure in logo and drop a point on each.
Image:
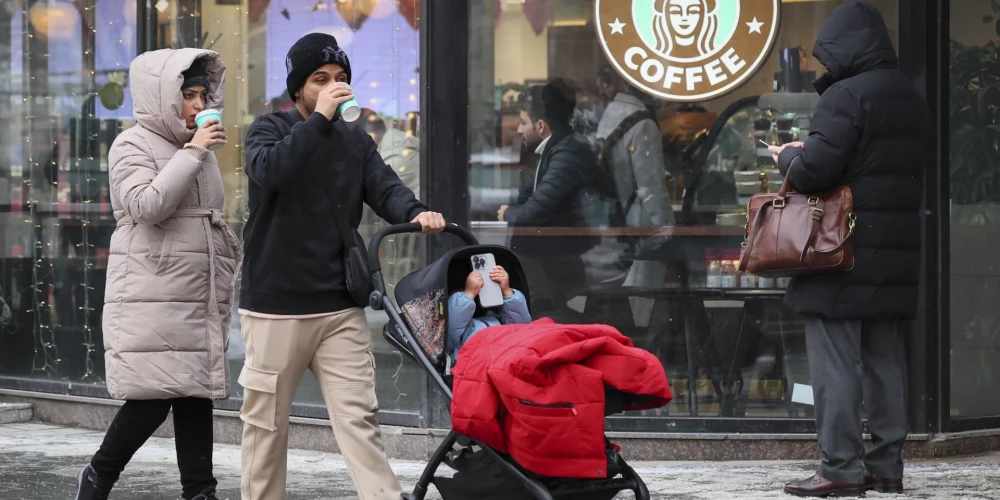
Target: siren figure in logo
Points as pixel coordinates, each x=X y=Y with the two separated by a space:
x=685 y=28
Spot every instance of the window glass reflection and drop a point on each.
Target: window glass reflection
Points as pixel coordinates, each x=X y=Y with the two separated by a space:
x=660 y=263
x=975 y=219
x=64 y=78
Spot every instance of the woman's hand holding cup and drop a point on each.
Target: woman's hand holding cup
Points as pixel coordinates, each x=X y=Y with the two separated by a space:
x=210 y=135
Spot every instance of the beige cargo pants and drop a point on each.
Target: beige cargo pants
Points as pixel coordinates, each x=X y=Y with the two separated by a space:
x=337 y=348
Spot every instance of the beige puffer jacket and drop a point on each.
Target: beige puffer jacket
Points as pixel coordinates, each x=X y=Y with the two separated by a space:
x=173 y=259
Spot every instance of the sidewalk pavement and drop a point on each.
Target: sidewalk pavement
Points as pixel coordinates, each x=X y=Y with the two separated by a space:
x=40 y=462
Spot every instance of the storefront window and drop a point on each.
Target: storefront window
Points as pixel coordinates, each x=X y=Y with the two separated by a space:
x=727 y=344
x=974 y=106
x=63 y=74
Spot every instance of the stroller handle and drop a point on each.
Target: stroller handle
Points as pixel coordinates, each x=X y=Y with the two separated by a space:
x=413 y=227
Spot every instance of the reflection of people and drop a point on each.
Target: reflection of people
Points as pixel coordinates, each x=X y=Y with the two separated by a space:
x=401 y=152
x=566 y=190
x=632 y=149
x=171 y=273
x=685 y=28
x=868 y=132
x=466 y=316
x=304 y=164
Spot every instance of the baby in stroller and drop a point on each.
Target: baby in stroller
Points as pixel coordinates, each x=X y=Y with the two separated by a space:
x=466 y=316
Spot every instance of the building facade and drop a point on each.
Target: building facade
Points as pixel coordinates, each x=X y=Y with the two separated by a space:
x=440 y=80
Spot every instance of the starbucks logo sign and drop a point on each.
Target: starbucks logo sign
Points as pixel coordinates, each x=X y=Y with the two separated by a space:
x=687 y=50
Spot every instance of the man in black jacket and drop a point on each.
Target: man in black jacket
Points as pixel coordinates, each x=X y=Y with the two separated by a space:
x=868 y=132
x=568 y=189
x=304 y=165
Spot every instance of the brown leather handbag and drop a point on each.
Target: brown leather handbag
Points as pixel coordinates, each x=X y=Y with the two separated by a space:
x=791 y=234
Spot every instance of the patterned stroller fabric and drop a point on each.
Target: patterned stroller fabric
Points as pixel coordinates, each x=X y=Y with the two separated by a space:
x=423 y=295
x=426 y=316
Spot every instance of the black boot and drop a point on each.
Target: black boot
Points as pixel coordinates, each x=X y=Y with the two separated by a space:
x=90 y=486
x=208 y=494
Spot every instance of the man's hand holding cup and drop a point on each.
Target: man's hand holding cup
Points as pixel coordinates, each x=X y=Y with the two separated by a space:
x=331 y=97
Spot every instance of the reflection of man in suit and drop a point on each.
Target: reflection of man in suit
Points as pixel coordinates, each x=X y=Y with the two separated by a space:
x=564 y=191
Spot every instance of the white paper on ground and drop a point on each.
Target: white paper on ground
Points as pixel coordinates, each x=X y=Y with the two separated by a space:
x=802 y=394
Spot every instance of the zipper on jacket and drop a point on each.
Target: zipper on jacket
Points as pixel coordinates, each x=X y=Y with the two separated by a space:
x=568 y=406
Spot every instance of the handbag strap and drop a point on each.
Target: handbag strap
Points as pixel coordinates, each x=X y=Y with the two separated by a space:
x=851 y=223
x=817 y=217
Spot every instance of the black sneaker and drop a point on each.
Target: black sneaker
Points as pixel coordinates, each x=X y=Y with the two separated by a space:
x=91 y=487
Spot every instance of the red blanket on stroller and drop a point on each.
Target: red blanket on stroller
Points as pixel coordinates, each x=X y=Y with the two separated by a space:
x=537 y=392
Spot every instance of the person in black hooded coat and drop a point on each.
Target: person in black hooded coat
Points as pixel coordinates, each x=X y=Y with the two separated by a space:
x=868 y=132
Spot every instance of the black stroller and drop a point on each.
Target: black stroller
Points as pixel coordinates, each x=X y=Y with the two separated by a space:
x=423 y=298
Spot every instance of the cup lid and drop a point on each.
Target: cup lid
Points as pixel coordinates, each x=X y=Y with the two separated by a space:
x=205 y=112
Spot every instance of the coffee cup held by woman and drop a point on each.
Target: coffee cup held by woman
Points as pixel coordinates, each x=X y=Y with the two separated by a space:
x=171 y=272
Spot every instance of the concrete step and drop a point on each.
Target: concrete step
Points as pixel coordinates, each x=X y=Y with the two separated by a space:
x=13 y=413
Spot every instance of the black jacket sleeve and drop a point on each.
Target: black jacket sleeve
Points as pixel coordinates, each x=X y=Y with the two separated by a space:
x=384 y=192
x=832 y=143
x=273 y=160
x=562 y=179
x=524 y=192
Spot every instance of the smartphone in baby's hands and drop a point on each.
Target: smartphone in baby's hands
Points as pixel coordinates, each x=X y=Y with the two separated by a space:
x=491 y=295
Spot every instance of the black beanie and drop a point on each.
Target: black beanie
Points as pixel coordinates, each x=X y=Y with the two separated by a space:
x=196 y=75
x=308 y=54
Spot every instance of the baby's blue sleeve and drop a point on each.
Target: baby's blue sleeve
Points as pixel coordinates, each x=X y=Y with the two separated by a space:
x=515 y=310
x=460 y=325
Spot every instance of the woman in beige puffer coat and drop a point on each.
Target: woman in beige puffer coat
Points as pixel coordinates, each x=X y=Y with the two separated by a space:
x=171 y=272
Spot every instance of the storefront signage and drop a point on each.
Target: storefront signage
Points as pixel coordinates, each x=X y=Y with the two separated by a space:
x=687 y=50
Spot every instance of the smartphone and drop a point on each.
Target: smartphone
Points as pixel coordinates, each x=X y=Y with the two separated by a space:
x=491 y=295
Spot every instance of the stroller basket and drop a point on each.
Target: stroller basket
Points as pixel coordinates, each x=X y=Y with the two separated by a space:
x=527 y=485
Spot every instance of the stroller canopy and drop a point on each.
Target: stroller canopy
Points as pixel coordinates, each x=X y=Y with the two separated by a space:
x=423 y=295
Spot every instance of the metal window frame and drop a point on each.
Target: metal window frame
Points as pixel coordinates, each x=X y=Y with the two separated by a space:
x=444 y=150
x=921 y=55
x=145 y=29
x=935 y=42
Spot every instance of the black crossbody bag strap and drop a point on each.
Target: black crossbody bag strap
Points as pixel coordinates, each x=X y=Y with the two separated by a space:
x=356 y=271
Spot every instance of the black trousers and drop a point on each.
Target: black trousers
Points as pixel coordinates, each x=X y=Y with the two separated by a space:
x=137 y=420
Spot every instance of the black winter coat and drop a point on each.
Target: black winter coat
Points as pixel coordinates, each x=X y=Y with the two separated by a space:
x=568 y=189
x=868 y=132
